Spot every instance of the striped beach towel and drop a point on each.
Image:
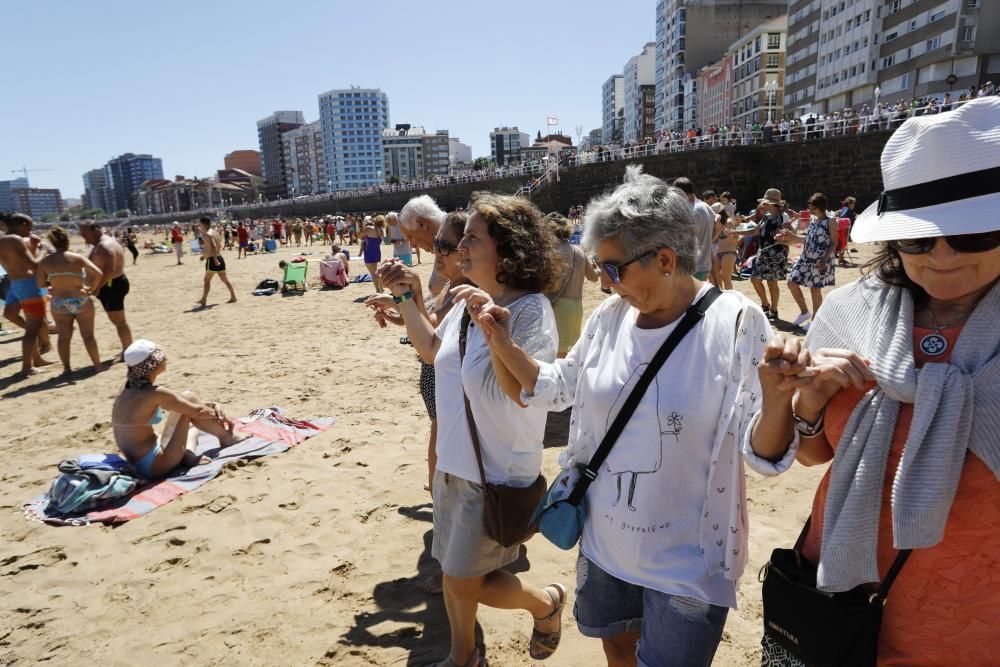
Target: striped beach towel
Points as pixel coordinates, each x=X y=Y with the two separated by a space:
x=271 y=433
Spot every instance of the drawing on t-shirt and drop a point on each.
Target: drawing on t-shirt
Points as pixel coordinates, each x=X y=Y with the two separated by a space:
x=649 y=459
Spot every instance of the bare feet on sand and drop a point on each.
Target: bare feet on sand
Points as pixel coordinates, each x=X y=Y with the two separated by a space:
x=232 y=438
x=233 y=300
x=191 y=459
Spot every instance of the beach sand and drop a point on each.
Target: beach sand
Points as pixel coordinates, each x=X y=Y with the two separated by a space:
x=305 y=558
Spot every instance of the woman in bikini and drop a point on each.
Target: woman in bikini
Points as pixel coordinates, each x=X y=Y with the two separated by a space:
x=142 y=404
x=68 y=274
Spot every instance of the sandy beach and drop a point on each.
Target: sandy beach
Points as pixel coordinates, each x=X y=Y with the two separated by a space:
x=304 y=558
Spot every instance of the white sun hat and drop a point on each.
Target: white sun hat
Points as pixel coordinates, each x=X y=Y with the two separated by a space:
x=941 y=175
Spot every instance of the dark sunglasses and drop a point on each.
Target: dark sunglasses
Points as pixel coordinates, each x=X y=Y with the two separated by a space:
x=982 y=242
x=443 y=248
x=615 y=271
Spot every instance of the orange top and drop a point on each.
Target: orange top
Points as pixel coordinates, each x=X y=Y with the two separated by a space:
x=943 y=608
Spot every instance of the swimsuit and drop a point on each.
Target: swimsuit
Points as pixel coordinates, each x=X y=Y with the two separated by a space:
x=27 y=292
x=112 y=294
x=373 y=250
x=69 y=305
x=215 y=264
x=145 y=464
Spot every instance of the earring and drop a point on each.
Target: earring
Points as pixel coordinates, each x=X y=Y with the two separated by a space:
x=666 y=274
x=508 y=265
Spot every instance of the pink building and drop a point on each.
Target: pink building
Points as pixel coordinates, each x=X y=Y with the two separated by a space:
x=715 y=93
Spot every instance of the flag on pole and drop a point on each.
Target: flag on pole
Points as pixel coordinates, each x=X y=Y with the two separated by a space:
x=552 y=120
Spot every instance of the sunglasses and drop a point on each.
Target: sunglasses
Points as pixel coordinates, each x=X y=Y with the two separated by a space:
x=443 y=248
x=982 y=242
x=614 y=271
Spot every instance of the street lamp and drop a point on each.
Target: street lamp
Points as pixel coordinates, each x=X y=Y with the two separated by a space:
x=771 y=88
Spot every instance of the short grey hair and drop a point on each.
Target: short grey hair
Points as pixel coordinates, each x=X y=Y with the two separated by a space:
x=420 y=207
x=391 y=214
x=644 y=213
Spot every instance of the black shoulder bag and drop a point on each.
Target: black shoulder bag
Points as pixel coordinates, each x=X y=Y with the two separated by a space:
x=820 y=629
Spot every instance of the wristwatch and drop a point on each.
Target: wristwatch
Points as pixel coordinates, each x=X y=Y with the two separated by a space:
x=809 y=429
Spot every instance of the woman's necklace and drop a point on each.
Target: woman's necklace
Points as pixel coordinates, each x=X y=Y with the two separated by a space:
x=934 y=344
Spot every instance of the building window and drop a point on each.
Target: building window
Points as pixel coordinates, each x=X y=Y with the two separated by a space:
x=891 y=36
x=936 y=15
x=772 y=60
x=972 y=4
x=904 y=82
x=934 y=43
x=969 y=33
x=888 y=61
x=773 y=40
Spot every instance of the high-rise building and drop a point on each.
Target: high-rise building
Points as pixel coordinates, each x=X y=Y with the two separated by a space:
x=715 y=93
x=272 y=155
x=410 y=153
x=37 y=202
x=353 y=120
x=759 y=72
x=126 y=174
x=6 y=192
x=459 y=154
x=647 y=115
x=930 y=48
x=304 y=157
x=639 y=71
x=596 y=137
x=246 y=160
x=506 y=144
x=691 y=34
x=96 y=191
x=612 y=107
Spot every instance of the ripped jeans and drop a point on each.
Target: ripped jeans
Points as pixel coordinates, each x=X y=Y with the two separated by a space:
x=676 y=630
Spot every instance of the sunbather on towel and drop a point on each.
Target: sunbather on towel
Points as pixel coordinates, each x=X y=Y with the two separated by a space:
x=142 y=404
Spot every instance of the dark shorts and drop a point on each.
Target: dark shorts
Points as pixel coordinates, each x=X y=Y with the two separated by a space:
x=112 y=294
x=244 y=245
x=215 y=264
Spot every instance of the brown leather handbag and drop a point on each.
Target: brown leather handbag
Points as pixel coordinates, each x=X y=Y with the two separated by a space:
x=508 y=510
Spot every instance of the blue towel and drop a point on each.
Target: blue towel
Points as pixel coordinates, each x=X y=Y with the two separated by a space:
x=101 y=461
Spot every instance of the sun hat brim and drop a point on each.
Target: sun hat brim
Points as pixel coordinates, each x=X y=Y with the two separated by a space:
x=966 y=216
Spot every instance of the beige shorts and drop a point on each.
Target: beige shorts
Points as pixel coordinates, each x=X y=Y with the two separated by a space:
x=460 y=541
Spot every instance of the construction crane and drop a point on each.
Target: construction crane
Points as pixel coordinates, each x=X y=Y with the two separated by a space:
x=24 y=170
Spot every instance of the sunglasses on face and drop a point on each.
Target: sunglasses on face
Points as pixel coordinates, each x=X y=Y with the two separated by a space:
x=443 y=248
x=982 y=242
x=614 y=271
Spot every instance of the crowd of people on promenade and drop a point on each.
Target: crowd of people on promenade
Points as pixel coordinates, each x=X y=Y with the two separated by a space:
x=676 y=382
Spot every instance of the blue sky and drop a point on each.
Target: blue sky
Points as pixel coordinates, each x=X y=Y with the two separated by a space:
x=187 y=80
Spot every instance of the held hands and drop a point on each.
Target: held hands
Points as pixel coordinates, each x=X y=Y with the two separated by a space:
x=398 y=277
x=384 y=308
x=788 y=367
x=492 y=320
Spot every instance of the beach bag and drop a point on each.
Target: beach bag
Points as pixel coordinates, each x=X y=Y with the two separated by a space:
x=508 y=510
x=79 y=489
x=561 y=513
x=818 y=628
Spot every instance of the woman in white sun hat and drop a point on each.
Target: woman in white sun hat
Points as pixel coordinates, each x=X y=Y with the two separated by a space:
x=898 y=383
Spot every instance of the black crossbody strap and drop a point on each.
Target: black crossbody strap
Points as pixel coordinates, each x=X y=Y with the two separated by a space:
x=693 y=315
x=473 y=431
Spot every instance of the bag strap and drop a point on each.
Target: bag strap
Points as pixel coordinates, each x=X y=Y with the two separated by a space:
x=890 y=577
x=693 y=315
x=473 y=431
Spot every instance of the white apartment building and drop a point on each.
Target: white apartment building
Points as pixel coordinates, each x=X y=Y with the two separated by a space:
x=612 y=107
x=304 y=160
x=758 y=60
x=458 y=153
x=639 y=71
x=848 y=49
x=506 y=144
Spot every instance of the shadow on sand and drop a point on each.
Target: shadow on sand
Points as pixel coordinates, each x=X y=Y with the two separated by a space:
x=421 y=620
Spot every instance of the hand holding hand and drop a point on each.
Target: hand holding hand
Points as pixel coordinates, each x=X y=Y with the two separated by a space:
x=830 y=371
x=399 y=278
x=784 y=366
x=494 y=322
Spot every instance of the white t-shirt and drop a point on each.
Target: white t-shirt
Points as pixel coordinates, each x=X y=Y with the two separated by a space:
x=703 y=215
x=510 y=436
x=402 y=246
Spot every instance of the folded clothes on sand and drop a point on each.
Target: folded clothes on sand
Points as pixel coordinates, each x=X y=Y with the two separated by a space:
x=271 y=433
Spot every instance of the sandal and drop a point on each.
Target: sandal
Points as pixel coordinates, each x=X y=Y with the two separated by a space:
x=544 y=644
x=474 y=661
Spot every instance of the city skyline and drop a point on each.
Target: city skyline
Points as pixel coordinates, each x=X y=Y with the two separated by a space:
x=190 y=94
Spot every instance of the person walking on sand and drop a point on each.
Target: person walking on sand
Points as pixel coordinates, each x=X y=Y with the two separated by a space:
x=243 y=238
x=177 y=238
x=215 y=264
x=20 y=254
x=109 y=256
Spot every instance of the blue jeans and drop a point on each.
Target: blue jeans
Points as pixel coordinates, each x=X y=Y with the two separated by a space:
x=675 y=630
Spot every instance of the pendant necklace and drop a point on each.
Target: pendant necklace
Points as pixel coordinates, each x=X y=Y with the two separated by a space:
x=934 y=344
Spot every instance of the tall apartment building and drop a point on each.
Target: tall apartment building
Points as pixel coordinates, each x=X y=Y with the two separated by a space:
x=638 y=72
x=691 y=34
x=37 y=202
x=6 y=192
x=612 y=107
x=353 y=120
x=272 y=155
x=647 y=114
x=126 y=174
x=97 y=191
x=411 y=153
x=933 y=47
x=304 y=157
x=506 y=144
x=832 y=54
x=715 y=93
x=459 y=154
x=246 y=160
x=759 y=60
x=596 y=136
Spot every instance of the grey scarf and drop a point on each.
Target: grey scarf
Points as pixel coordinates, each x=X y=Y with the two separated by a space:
x=956 y=408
